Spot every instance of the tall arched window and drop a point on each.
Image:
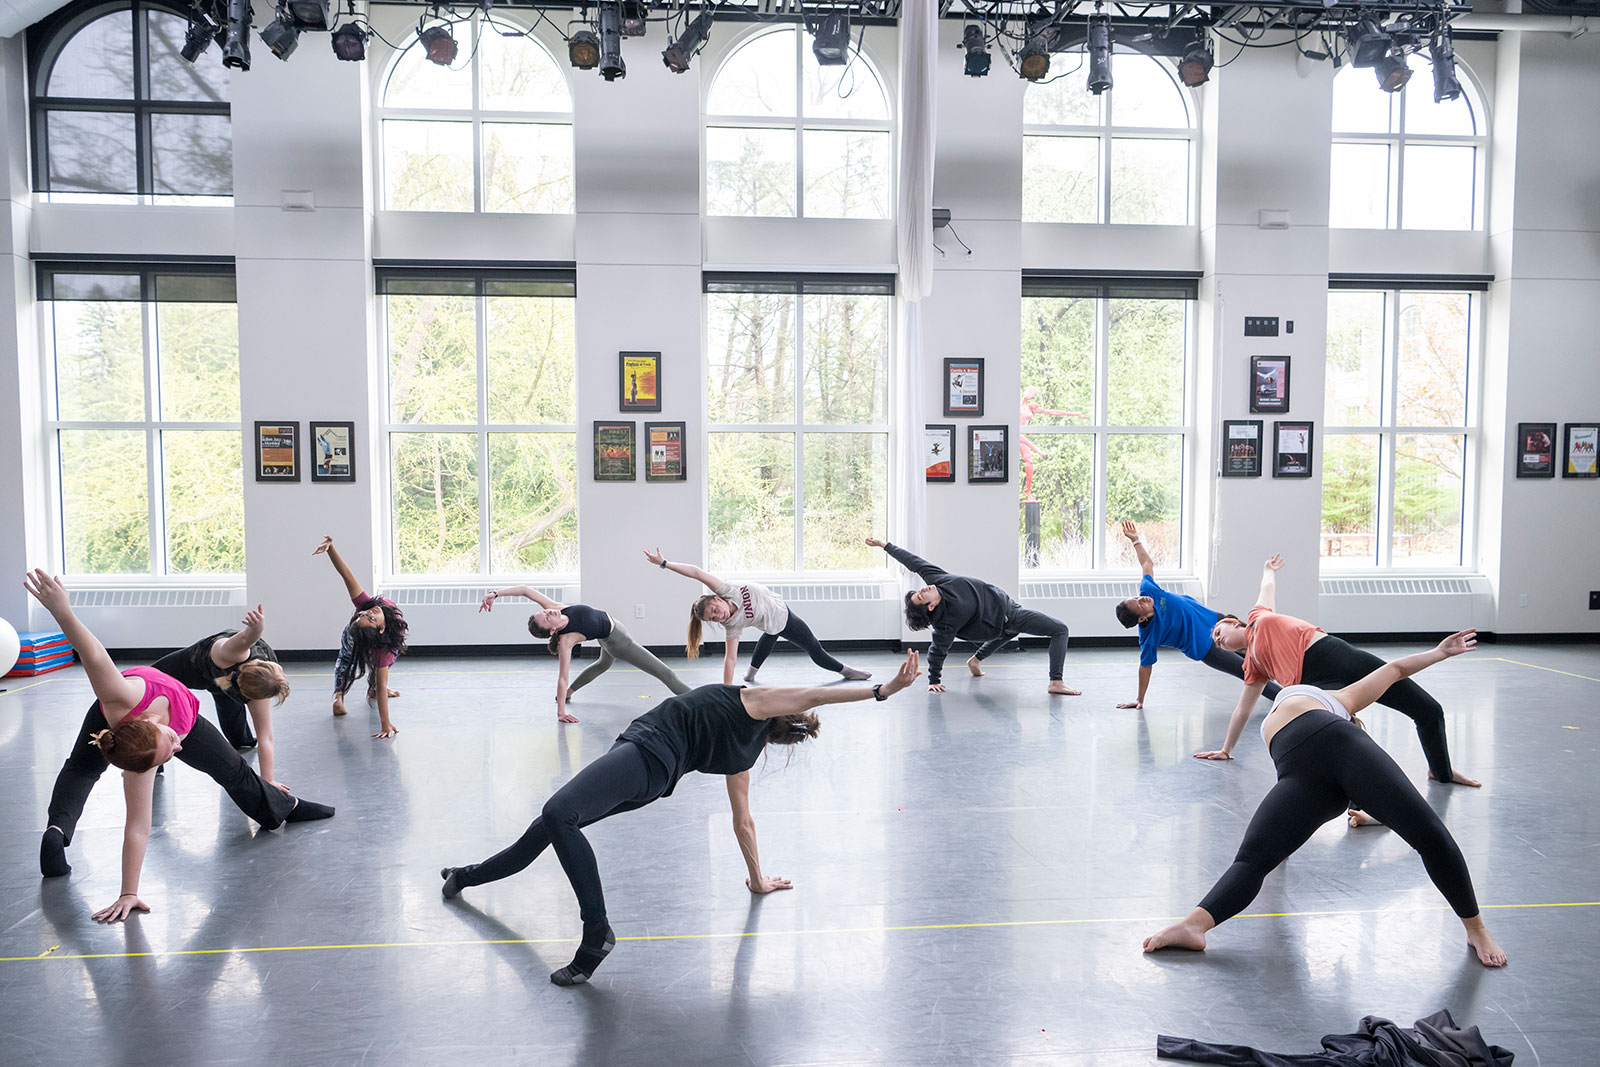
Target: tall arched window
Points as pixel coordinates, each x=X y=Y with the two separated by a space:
x=788 y=137
x=1125 y=156
x=1401 y=161
x=492 y=134
x=118 y=115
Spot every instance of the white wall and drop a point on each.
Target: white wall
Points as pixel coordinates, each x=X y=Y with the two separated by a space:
x=308 y=330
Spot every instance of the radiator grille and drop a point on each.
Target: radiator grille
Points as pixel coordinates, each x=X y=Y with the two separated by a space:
x=830 y=592
x=1392 y=586
x=155 y=598
x=1087 y=590
x=453 y=596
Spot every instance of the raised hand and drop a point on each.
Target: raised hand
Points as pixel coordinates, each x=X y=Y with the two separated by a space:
x=327 y=543
x=1130 y=530
x=875 y=543
x=126 y=905
x=488 y=602
x=655 y=557
x=1457 y=643
x=47 y=590
x=904 y=676
x=1273 y=564
x=254 y=618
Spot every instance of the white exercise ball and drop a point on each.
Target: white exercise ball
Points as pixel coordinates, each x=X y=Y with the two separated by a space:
x=10 y=647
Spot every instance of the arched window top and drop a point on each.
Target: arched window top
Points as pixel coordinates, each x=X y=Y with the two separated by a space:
x=1145 y=94
x=1359 y=106
x=92 y=56
x=773 y=75
x=507 y=72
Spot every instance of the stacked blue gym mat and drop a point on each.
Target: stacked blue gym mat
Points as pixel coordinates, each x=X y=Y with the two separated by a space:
x=42 y=651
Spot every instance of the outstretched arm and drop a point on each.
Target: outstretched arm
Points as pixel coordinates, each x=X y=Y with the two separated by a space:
x=1240 y=716
x=380 y=681
x=563 y=686
x=137 y=789
x=910 y=560
x=351 y=586
x=730 y=657
x=114 y=692
x=261 y=718
x=1144 y=686
x=744 y=828
x=521 y=590
x=769 y=702
x=688 y=570
x=1146 y=564
x=1358 y=695
x=234 y=650
x=1269 y=583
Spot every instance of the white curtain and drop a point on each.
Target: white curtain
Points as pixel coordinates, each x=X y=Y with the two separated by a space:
x=919 y=50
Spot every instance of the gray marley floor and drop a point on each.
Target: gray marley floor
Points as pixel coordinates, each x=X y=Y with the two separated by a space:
x=973 y=874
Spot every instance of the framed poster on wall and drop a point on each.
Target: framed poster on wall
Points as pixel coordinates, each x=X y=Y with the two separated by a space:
x=1241 y=448
x=1536 y=449
x=277 y=451
x=963 y=387
x=988 y=453
x=614 y=459
x=1269 y=384
x=1579 y=449
x=939 y=453
x=665 y=462
x=639 y=381
x=1291 y=449
x=333 y=459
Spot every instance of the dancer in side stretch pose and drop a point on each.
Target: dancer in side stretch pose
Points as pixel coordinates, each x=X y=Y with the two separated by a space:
x=1327 y=763
x=715 y=729
x=733 y=607
x=372 y=640
x=566 y=626
x=140 y=719
x=973 y=610
x=1172 y=620
x=1291 y=651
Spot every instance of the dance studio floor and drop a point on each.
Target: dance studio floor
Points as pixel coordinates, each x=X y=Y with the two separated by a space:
x=973 y=874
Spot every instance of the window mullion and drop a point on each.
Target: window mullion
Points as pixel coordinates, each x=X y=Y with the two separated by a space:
x=799 y=432
x=1102 y=442
x=153 y=458
x=482 y=330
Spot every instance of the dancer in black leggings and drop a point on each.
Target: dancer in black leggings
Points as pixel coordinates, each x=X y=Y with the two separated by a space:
x=733 y=607
x=715 y=729
x=973 y=610
x=1172 y=620
x=1327 y=763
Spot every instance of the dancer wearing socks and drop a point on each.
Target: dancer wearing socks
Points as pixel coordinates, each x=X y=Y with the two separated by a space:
x=957 y=606
x=140 y=719
x=566 y=626
x=372 y=640
x=235 y=667
x=1291 y=651
x=715 y=729
x=733 y=607
x=1172 y=620
x=1327 y=763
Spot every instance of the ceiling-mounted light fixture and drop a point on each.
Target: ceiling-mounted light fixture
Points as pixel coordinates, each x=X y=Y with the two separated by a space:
x=830 y=41
x=1033 y=62
x=1442 y=50
x=280 y=35
x=1194 y=68
x=350 y=42
x=611 y=65
x=977 y=49
x=583 y=49
x=1392 y=71
x=309 y=14
x=1099 y=48
x=236 y=45
x=440 y=46
x=197 y=38
x=635 y=15
x=1368 y=44
x=680 y=53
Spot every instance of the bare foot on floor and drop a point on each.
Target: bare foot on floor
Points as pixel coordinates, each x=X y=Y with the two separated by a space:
x=565 y=716
x=1458 y=778
x=338 y=706
x=372 y=694
x=1489 y=953
x=1061 y=689
x=1359 y=818
x=1178 y=935
x=975 y=665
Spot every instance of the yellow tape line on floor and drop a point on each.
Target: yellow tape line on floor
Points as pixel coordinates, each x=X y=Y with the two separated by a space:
x=1536 y=667
x=763 y=933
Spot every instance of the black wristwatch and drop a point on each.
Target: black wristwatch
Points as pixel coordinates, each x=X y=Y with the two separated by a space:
x=663 y=563
x=877 y=692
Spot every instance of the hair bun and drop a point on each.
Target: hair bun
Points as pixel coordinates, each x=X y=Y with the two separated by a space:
x=104 y=738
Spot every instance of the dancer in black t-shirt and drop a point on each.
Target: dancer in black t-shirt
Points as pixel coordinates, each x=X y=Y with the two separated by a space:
x=715 y=729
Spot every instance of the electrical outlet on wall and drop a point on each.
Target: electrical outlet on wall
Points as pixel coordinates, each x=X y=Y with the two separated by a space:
x=638 y=611
x=1594 y=600
x=1522 y=600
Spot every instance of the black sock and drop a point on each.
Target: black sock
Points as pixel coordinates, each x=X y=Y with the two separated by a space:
x=453 y=885
x=53 y=854
x=586 y=961
x=309 y=811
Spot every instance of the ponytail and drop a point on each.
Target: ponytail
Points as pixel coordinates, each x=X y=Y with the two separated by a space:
x=130 y=745
x=793 y=729
x=692 y=649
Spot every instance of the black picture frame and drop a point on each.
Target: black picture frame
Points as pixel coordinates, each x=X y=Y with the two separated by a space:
x=1269 y=385
x=1242 y=448
x=673 y=462
x=939 y=453
x=616 y=451
x=1297 y=460
x=638 y=382
x=1585 y=463
x=333 y=452
x=989 y=454
x=277 y=451
x=963 y=383
x=1535 y=450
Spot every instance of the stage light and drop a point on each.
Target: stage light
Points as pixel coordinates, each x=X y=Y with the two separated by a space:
x=1099 y=48
x=830 y=41
x=350 y=42
x=1195 y=67
x=1033 y=62
x=280 y=36
x=1392 y=72
x=634 y=15
x=680 y=53
x=583 y=50
x=1368 y=44
x=197 y=38
x=236 y=46
x=611 y=65
x=1442 y=50
x=309 y=14
x=977 y=51
x=440 y=46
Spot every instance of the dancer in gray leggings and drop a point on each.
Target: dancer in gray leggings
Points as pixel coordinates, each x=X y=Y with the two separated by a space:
x=569 y=625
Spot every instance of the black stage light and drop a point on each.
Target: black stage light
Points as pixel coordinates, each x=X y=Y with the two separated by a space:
x=634 y=16
x=611 y=65
x=280 y=36
x=1442 y=50
x=830 y=41
x=309 y=14
x=350 y=42
x=1195 y=67
x=197 y=38
x=1099 y=47
x=583 y=50
x=1368 y=44
x=1033 y=62
x=440 y=46
x=680 y=53
x=236 y=45
x=1392 y=72
x=977 y=50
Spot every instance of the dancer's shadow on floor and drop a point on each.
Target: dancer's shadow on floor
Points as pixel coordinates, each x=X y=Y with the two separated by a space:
x=513 y=948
